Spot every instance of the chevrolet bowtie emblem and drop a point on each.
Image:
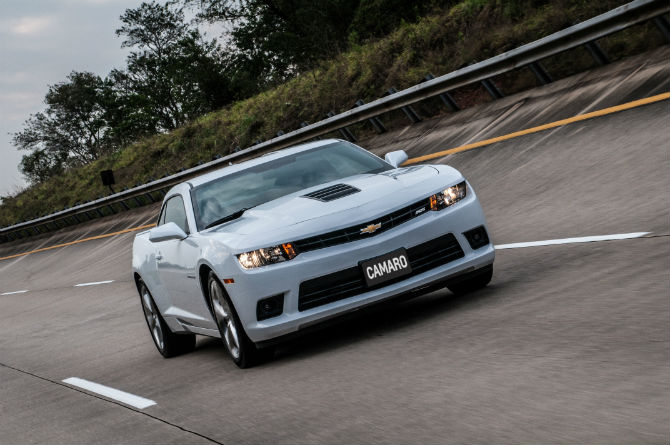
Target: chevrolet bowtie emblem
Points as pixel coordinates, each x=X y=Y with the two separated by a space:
x=372 y=228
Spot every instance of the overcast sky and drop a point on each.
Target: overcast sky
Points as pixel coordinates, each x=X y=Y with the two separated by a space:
x=41 y=42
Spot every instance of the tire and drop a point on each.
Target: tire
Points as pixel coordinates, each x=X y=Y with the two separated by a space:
x=241 y=349
x=167 y=342
x=473 y=281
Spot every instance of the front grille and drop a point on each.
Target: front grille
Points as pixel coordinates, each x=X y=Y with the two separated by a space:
x=350 y=282
x=353 y=233
x=333 y=192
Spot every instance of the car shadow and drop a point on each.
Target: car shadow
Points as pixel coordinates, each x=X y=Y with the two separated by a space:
x=378 y=321
x=368 y=323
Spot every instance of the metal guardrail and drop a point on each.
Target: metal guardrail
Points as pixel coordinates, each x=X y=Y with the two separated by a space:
x=584 y=33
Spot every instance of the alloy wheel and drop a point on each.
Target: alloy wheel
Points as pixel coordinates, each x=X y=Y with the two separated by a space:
x=151 y=314
x=224 y=318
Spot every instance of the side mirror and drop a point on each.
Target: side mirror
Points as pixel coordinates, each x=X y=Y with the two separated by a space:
x=166 y=232
x=396 y=158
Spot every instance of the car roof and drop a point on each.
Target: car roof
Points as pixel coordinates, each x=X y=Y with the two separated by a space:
x=229 y=169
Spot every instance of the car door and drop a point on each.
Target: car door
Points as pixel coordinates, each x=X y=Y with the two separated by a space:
x=176 y=264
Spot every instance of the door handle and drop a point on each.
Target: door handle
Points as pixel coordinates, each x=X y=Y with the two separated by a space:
x=159 y=257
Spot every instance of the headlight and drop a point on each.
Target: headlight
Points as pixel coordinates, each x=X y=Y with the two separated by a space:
x=269 y=255
x=448 y=197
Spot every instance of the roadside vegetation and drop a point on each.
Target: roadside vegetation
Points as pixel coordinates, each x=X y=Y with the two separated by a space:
x=183 y=100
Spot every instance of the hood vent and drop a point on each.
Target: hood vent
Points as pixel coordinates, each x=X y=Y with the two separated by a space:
x=333 y=192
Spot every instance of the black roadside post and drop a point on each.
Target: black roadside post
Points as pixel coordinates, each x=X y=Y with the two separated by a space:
x=107 y=177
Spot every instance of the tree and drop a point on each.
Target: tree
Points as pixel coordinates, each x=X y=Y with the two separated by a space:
x=271 y=40
x=71 y=131
x=172 y=73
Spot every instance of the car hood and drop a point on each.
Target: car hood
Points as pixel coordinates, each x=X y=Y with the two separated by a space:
x=296 y=215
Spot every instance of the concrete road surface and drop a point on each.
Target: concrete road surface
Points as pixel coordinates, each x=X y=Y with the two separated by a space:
x=569 y=343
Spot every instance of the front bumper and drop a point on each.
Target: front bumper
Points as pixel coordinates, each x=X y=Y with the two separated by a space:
x=285 y=278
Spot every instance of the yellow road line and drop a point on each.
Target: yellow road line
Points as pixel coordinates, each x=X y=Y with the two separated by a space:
x=581 y=117
x=106 y=235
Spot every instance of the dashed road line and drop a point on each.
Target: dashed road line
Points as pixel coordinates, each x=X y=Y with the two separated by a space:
x=583 y=239
x=94 y=283
x=15 y=292
x=113 y=401
x=111 y=393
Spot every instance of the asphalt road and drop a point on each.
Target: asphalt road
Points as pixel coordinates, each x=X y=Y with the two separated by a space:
x=569 y=344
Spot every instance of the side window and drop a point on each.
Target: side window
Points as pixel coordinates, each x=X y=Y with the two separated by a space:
x=174 y=212
x=161 y=217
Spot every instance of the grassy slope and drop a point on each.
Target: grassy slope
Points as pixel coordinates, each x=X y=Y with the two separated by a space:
x=469 y=31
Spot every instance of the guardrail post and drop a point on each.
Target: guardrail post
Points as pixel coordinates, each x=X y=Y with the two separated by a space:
x=408 y=110
x=344 y=131
x=374 y=121
x=36 y=230
x=125 y=206
x=597 y=53
x=541 y=74
x=492 y=89
x=663 y=26
x=111 y=209
x=151 y=198
x=303 y=124
x=444 y=97
x=76 y=217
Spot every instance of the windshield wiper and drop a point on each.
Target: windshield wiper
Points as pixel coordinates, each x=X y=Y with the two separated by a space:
x=230 y=217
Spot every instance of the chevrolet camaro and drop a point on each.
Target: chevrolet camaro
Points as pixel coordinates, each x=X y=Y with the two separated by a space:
x=256 y=252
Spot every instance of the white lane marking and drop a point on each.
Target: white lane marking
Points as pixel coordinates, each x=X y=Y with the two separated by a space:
x=111 y=393
x=583 y=239
x=94 y=283
x=16 y=292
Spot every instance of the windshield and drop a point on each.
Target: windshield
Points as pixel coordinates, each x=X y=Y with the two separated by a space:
x=273 y=179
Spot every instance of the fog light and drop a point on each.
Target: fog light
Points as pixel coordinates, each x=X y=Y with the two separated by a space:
x=270 y=307
x=477 y=237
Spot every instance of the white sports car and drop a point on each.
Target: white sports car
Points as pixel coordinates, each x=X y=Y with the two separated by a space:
x=261 y=250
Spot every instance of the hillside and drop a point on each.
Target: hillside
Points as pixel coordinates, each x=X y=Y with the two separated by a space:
x=447 y=39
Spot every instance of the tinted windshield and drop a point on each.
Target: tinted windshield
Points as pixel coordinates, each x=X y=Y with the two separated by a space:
x=273 y=179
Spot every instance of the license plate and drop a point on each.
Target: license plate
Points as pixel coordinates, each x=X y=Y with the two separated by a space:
x=385 y=267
